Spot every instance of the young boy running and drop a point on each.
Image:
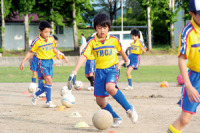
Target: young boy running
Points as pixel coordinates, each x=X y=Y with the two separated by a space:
x=44 y=46
x=189 y=48
x=103 y=46
x=136 y=49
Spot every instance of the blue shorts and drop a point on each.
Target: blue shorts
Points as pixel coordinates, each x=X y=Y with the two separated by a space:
x=102 y=77
x=33 y=64
x=185 y=103
x=134 y=61
x=45 y=68
x=90 y=66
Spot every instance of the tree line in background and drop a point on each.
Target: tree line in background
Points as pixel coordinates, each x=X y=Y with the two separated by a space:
x=158 y=15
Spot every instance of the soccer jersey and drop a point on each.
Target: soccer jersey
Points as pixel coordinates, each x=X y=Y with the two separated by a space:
x=43 y=47
x=91 y=57
x=136 y=47
x=105 y=53
x=189 y=45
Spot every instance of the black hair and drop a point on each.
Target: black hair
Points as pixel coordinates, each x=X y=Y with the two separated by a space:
x=88 y=38
x=55 y=37
x=82 y=34
x=135 y=32
x=102 y=19
x=44 y=24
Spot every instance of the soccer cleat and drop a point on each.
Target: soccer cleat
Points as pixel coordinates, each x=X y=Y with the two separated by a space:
x=50 y=104
x=91 y=88
x=34 y=99
x=128 y=88
x=116 y=122
x=132 y=114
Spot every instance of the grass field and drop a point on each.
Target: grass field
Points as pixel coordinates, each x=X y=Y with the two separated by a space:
x=61 y=73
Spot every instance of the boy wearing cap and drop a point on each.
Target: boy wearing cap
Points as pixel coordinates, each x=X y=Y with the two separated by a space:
x=189 y=48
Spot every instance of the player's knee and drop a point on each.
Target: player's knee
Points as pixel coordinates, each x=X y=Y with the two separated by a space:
x=100 y=103
x=34 y=74
x=127 y=73
x=184 y=120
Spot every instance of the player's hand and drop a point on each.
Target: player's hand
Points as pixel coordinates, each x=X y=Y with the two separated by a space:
x=21 y=66
x=71 y=80
x=127 y=63
x=193 y=94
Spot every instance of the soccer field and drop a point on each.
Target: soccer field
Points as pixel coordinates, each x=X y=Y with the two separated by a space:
x=156 y=108
x=61 y=73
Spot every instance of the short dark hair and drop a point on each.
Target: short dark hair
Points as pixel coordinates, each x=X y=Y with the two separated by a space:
x=102 y=19
x=88 y=38
x=55 y=37
x=82 y=34
x=135 y=32
x=44 y=24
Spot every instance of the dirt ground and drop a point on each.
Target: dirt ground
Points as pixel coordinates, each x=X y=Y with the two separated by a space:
x=156 y=108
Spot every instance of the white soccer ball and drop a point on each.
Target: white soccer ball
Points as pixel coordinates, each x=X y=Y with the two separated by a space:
x=32 y=87
x=64 y=90
x=68 y=99
x=78 y=85
x=102 y=119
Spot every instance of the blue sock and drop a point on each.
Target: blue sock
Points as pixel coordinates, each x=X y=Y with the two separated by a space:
x=33 y=80
x=109 y=108
x=40 y=91
x=130 y=82
x=47 y=89
x=41 y=88
x=120 y=98
x=40 y=84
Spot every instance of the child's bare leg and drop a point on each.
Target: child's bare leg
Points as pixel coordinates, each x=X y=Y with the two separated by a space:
x=181 y=122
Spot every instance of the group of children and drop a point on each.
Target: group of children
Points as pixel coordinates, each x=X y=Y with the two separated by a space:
x=102 y=47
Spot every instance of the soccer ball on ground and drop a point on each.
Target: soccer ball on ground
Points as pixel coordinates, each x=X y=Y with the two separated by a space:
x=102 y=119
x=68 y=99
x=32 y=87
x=78 y=85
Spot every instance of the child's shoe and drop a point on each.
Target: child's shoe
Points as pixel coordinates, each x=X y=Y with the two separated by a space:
x=116 y=122
x=132 y=114
x=129 y=88
x=91 y=88
x=34 y=99
x=50 y=104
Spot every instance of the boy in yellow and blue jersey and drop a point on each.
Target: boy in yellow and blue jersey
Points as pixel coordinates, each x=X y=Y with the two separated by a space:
x=103 y=46
x=44 y=47
x=136 y=49
x=189 y=48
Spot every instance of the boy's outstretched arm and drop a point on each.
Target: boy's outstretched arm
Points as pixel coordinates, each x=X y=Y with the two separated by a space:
x=72 y=77
x=124 y=56
x=143 y=49
x=192 y=92
x=26 y=57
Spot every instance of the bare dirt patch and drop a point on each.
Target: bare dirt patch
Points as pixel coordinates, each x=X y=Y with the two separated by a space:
x=156 y=107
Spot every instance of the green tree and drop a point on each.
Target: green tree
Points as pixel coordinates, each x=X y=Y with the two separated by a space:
x=162 y=15
x=24 y=7
x=61 y=12
x=5 y=10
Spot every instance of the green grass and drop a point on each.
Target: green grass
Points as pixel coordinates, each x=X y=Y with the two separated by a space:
x=61 y=73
